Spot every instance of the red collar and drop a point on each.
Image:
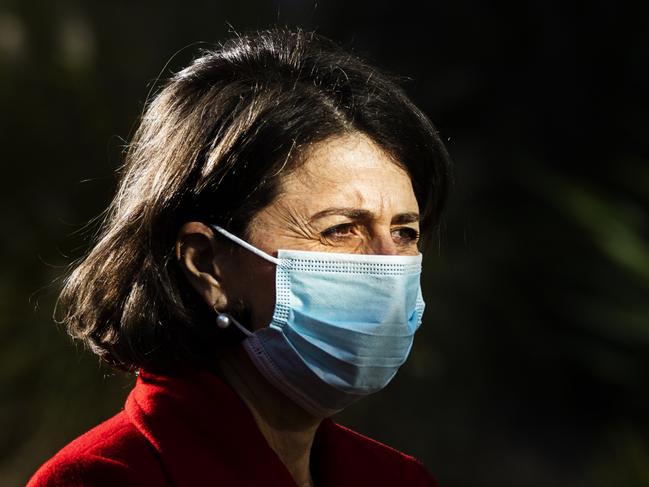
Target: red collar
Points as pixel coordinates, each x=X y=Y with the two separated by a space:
x=204 y=434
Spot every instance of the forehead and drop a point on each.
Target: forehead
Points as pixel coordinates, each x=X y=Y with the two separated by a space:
x=350 y=170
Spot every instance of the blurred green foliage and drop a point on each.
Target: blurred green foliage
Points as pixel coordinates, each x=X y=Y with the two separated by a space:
x=532 y=365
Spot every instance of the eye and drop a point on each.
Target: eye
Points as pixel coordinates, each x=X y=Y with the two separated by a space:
x=338 y=232
x=405 y=235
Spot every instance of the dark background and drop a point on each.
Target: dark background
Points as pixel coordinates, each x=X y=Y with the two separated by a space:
x=532 y=366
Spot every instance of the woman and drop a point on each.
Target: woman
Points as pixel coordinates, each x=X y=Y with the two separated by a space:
x=259 y=270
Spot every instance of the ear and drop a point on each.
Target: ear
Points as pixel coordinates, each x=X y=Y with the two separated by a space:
x=202 y=260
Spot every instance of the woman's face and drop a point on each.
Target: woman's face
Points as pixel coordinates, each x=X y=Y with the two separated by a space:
x=347 y=197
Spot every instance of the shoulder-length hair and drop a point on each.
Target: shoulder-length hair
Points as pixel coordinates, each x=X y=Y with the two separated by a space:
x=211 y=147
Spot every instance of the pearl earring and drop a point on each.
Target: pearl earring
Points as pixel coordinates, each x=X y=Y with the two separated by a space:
x=223 y=321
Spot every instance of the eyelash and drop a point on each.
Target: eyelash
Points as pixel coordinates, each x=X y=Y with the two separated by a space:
x=412 y=235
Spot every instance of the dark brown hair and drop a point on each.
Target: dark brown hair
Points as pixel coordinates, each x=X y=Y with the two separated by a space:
x=211 y=147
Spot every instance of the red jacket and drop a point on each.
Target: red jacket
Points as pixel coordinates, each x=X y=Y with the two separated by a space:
x=193 y=430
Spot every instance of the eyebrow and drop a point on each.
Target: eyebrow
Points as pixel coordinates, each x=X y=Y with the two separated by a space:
x=358 y=214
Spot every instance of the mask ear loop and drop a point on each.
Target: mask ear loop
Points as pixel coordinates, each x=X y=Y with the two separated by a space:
x=224 y=320
x=246 y=245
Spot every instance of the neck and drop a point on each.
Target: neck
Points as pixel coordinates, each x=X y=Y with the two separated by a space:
x=288 y=429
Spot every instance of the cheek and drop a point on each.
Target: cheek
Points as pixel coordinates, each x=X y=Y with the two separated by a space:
x=258 y=291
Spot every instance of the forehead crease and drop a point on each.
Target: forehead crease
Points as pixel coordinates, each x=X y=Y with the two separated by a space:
x=358 y=198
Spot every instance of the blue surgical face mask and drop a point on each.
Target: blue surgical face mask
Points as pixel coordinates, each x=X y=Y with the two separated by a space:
x=343 y=324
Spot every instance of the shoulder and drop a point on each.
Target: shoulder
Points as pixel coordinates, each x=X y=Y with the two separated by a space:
x=378 y=462
x=112 y=453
